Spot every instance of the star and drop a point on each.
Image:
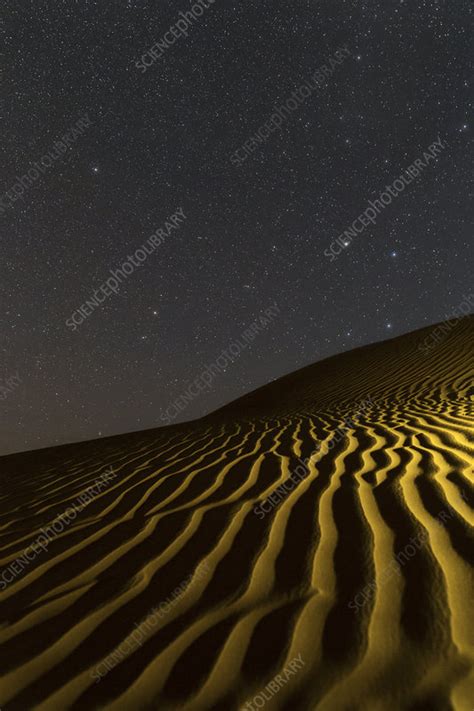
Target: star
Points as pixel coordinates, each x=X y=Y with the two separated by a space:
x=95 y=169
x=394 y=254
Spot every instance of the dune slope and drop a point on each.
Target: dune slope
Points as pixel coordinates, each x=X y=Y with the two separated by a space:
x=309 y=546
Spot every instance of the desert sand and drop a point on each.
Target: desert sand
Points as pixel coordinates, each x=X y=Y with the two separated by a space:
x=203 y=575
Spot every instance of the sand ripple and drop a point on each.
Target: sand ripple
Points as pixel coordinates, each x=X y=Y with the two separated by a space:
x=363 y=569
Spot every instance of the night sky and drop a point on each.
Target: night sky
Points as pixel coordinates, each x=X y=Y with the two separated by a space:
x=254 y=234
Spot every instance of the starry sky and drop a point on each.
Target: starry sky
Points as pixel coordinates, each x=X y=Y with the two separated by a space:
x=254 y=233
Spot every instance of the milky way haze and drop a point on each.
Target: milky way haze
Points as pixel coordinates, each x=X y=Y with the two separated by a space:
x=122 y=125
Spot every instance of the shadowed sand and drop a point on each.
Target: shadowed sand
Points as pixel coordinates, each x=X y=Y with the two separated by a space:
x=361 y=567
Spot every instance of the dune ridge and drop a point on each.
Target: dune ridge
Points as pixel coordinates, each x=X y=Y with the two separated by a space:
x=363 y=570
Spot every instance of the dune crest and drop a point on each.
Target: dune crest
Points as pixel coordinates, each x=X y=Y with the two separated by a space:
x=171 y=590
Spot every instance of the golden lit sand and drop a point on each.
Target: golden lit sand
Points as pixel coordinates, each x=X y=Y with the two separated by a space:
x=201 y=570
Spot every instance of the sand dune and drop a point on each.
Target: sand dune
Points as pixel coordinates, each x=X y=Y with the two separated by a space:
x=309 y=546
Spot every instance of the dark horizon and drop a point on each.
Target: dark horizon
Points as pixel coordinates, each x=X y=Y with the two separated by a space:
x=430 y=328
